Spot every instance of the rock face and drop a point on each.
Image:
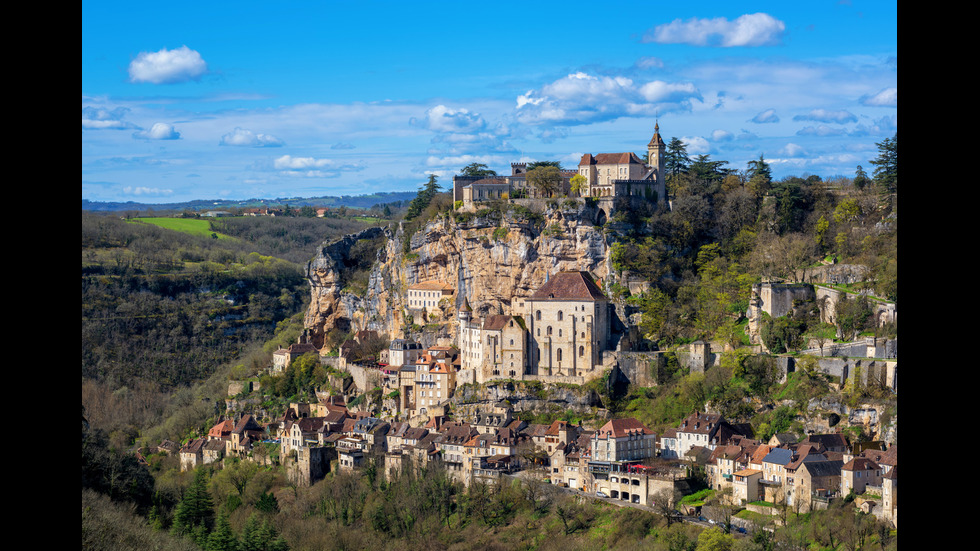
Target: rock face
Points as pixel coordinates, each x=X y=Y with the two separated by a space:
x=488 y=260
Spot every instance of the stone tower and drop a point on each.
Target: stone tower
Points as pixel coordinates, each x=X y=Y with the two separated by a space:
x=656 y=150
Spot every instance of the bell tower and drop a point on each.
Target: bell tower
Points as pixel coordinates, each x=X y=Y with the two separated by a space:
x=655 y=151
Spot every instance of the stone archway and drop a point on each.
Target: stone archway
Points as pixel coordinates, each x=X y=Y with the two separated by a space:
x=600 y=218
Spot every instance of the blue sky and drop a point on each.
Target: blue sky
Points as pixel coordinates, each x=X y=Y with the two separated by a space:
x=220 y=100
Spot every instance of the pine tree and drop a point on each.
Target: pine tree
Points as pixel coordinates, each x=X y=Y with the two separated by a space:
x=886 y=165
x=222 y=538
x=251 y=537
x=196 y=509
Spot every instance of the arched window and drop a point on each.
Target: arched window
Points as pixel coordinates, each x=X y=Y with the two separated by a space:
x=537 y=315
x=549 y=330
x=560 y=316
x=559 y=354
x=559 y=331
x=581 y=351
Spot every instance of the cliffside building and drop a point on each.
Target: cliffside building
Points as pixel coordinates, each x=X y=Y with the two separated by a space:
x=608 y=176
x=559 y=334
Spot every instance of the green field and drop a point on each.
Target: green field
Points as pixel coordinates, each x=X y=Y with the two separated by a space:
x=193 y=226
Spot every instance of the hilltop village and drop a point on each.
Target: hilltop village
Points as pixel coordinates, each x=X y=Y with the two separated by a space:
x=482 y=326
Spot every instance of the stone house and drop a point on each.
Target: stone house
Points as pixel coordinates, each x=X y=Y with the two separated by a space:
x=745 y=485
x=435 y=377
x=818 y=479
x=213 y=451
x=859 y=473
x=298 y=433
x=284 y=356
x=623 y=440
x=246 y=431
x=452 y=445
x=702 y=429
x=192 y=454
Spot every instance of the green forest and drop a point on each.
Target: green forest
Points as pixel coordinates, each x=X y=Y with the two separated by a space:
x=168 y=318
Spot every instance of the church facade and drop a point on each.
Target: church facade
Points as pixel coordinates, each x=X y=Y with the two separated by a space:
x=557 y=334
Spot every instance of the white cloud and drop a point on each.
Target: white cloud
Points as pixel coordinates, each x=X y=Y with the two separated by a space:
x=245 y=138
x=792 y=150
x=159 y=131
x=287 y=162
x=649 y=62
x=821 y=130
x=822 y=115
x=444 y=119
x=769 y=115
x=696 y=145
x=757 y=29
x=722 y=136
x=140 y=190
x=100 y=118
x=659 y=90
x=581 y=98
x=311 y=167
x=167 y=66
x=885 y=98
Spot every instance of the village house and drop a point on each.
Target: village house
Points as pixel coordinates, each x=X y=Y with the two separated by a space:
x=282 y=357
x=859 y=473
x=192 y=454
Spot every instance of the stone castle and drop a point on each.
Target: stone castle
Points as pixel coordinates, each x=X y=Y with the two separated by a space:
x=608 y=176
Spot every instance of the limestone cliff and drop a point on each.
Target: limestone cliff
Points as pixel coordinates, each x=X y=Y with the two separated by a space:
x=489 y=258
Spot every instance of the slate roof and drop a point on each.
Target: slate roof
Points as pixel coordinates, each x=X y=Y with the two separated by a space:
x=779 y=456
x=823 y=468
x=569 y=286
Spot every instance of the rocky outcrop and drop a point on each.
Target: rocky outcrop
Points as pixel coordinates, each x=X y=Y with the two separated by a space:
x=489 y=258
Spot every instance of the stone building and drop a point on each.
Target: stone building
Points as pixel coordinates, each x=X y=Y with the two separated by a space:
x=426 y=295
x=607 y=175
x=557 y=333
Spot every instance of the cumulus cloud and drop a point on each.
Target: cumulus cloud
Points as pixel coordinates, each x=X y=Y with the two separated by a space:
x=246 y=138
x=580 y=98
x=822 y=115
x=769 y=115
x=885 y=98
x=696 y=145
x=757 y=29
x=167 y=66
x=159 y=131
x=311 y=167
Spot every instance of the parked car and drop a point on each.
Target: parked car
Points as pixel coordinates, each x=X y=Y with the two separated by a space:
x=601 y=494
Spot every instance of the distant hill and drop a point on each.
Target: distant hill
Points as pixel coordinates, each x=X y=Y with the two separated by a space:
x=351 y=201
